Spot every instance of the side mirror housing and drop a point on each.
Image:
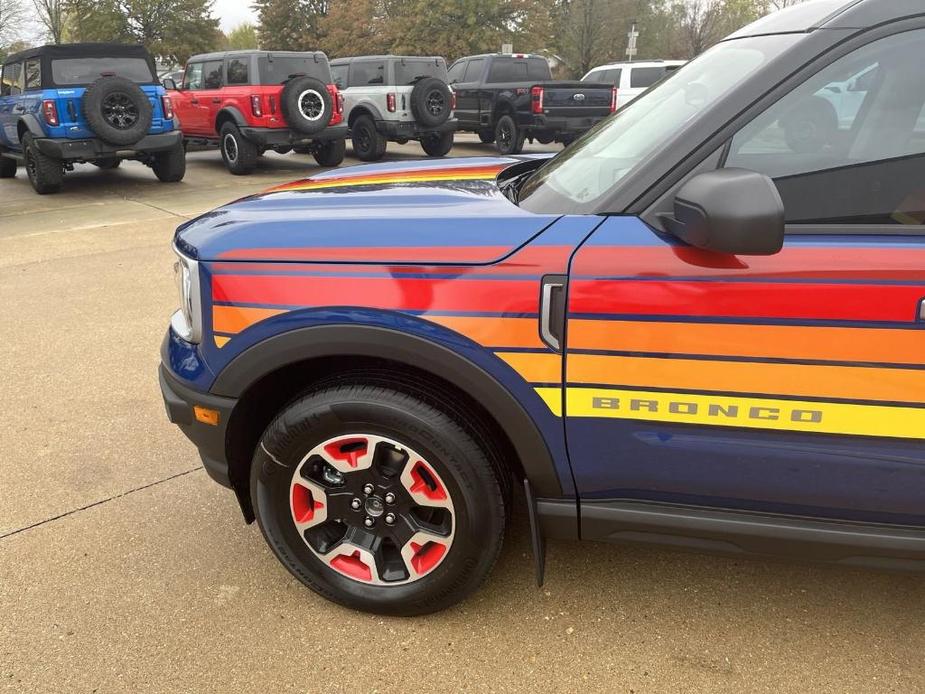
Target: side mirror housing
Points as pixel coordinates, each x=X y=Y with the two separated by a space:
x=169 y=84
x=733 y=211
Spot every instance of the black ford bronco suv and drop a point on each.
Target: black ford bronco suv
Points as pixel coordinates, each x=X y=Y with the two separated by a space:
x=508 y=98
x=85 y=103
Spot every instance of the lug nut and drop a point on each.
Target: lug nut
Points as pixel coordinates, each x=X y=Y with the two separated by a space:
x=368 y=489
x=389 y=518
x=355 y=504
x=369 y=522
x=390 y=498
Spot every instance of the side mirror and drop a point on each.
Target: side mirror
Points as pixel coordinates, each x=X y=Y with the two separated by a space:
x=169 y=84
x=734 y=211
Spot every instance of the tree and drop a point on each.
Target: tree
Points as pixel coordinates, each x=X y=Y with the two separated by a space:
x=355 y=26
x=293 y=25
x=12 y=21
x=51 y=16
x=242 y=37
x=172 y=30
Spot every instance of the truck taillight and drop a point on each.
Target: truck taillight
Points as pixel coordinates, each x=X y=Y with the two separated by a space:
x=390 y=101
x=50 y=111
x=167 y=105
x=613 y=99
x=536 y=99
x=272 y=100
x=256 y=106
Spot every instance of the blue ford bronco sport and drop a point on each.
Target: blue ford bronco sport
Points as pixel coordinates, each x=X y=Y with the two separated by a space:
x=701 y=325
x=85 y=103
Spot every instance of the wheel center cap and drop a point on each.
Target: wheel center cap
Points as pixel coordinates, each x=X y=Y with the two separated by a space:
x=374 y=506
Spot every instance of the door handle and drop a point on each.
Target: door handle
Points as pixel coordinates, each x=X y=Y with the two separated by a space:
x=195 y=102
x=216 y=100
x=552 y=310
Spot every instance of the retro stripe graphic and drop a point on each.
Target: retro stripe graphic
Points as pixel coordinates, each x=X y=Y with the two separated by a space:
x=449 y=173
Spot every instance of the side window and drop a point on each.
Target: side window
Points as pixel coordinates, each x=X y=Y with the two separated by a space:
x=364 y=73
x=237 y=71
x=643 y=77
x=608 y=76
x=474 y=70
x=339 y=75
x=193 y=77
x=33 y=72
x=12 y=79
x=212 y=75
x=847 y=146
x=457 y=72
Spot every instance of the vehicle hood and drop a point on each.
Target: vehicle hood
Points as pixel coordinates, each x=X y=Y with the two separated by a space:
x=401 y=212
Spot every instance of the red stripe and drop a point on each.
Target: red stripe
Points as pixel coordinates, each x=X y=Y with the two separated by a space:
x=748 y=299
x=829 y=262
x=393 y=293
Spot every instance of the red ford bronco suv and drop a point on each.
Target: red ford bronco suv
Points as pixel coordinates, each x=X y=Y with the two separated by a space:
x=247 y=102
x=701 y=325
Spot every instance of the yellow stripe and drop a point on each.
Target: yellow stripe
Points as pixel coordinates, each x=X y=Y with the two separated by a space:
x=735 y=411
x=220 y=340
x=416 y=178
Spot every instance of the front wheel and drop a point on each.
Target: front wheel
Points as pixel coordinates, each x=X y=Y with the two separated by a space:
x=437 y=144
x=330 y=153
x=238 y=153
x=509 y=139
x=107 y=164
x=7 y=167
x=486 y=136
x=368 y=144
x=377 y=500
x=170 y=166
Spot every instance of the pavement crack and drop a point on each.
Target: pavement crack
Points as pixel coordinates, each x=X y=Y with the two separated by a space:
x=98 y=503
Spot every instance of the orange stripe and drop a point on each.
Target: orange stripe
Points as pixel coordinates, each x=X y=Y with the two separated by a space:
x=234 y=319
x=535 y=368
x=771 y=341
x=851 y=382
x=414 y=176
x=494 y=332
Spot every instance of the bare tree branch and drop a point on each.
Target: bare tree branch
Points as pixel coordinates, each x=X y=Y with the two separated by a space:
x=12 y=20
x=51 y=16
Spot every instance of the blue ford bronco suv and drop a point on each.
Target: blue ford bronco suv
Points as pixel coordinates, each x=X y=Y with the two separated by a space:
x=701 y=325
x=85 y=103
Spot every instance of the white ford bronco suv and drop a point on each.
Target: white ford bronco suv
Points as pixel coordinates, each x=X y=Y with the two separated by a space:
x=396 y=98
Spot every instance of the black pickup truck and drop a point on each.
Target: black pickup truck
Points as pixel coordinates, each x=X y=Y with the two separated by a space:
x=507 y=98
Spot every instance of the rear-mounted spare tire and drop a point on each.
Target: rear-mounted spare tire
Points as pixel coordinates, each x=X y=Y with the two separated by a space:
x=307 y=105
x=117 y=110
x=431 y=102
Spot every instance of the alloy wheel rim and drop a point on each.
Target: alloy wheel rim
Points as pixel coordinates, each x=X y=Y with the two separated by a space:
x=120 y=111
x=372 y=509
x=311 y=105
x=435 y=102
x=231 y=148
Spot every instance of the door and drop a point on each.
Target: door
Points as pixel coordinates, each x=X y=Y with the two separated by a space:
x=792 y=383
x=467 y=94
x=10 y=106
x=187 y=104
x=210 y=98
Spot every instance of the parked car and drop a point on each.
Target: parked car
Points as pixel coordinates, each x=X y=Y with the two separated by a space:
x=396 y=98
x=679 y=330
x=246 y=102
x=632 y=78
x=85 y=103
x=508 y=98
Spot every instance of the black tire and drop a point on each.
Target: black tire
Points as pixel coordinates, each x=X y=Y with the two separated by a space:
x=401 y=141
x=7 y=167
x=469 y=478
x=487 y=136
x=307 y=105
x=107 y=164
x=437 y=144
x=280 y=150
x=303 y=149
x=545 y=138
x=238 y=153
x=431 y=102
x=330 y=153
x=368 y=144
x=509 y=139
x=170 y=166
x=117 y=110
x=45 y=174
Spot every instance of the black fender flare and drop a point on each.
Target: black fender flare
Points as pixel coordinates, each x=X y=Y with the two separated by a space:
x=32 y=125
x=502 y=106
x=364 y=106
x=234 y=113
x=314 y=342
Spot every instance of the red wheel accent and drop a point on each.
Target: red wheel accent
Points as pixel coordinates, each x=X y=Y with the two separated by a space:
x=304 y=504
x=426 y=556
x=351 y=457
x=423 y=477
x=351 y=565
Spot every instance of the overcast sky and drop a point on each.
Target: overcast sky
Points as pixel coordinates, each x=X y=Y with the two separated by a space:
x=233 y=12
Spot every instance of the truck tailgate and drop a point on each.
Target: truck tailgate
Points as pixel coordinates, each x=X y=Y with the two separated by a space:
x=580 y=99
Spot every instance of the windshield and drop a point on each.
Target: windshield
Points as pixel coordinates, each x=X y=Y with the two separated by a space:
x=74 y=71
x=408 y=72
x=577 y=179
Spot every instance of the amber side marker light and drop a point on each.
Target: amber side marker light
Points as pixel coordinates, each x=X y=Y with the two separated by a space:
x=205 y=415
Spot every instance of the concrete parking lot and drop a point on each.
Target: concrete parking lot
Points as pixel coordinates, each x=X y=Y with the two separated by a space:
x=123 y=568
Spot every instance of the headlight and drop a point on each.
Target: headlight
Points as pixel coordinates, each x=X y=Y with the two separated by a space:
x=187 y=320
